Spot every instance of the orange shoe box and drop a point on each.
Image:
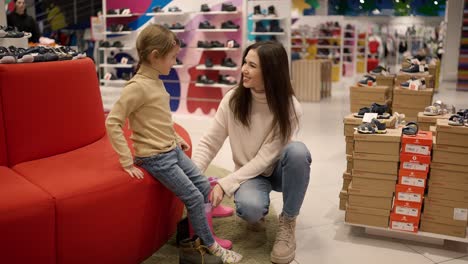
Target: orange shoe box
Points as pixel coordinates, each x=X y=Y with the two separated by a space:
x=404 y=223
x=407 y=208
x=423 y=138
x=407 y=193
x=415 y=162
x=412 y=178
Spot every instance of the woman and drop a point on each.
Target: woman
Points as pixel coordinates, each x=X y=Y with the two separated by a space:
x=260 y=117
x=22 y=21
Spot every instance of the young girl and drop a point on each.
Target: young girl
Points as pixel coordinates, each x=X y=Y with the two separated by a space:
x=158 y=149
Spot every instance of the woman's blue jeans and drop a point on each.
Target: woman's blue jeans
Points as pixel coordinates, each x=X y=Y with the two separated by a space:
x=179 y=174
x=290 y=176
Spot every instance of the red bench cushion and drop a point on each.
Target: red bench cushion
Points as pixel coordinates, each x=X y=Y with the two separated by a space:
x=27 y=221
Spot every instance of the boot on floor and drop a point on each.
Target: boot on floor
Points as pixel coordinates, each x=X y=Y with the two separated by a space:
x=284 y=249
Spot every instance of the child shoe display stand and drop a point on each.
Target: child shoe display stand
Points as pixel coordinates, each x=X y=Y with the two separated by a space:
x=196 y=87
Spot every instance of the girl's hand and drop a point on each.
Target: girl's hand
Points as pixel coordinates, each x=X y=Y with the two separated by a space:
x=216 y=195
x=134 y=172
x=183 y=145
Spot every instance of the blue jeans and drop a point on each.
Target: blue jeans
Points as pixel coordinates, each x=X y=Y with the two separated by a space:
x=179 y=174
x=290 y=176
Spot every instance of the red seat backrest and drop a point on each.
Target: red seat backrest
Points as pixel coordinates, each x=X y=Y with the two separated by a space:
x=50 y=108
x=3 y=151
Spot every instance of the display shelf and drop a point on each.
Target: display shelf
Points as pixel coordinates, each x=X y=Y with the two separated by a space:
x=167 y=14
x=218 y=30
x=216 y=68
x=215 y=85
x=179 y=66
x=418 y=236
x=267 y=33
x=328 y=38
x=118 y=16
x=219 y=49
x=119 y=33
x=117 y=65
x=265 y=18
x=116 y=48
x=217 y=13
x=178 y=30
x=328 y=47
x=113 y=81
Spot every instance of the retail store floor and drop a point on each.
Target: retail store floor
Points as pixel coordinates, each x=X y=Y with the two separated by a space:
x=322 y=237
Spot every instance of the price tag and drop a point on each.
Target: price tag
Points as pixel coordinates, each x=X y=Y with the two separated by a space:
x=124 y=60
x=421 y=68
x=107 y=76
x=460 y=214
x=403 y=226
x=406 y=211
x=414 y=166
x=423 y=150
x=368 y=117
x=413 y=181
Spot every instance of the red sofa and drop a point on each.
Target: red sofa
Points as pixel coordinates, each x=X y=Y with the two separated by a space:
x=63 y=196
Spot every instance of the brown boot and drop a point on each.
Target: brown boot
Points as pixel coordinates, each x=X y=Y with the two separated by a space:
x=191 y=251
x=284 y=249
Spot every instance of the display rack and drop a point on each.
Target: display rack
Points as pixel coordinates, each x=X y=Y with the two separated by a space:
x=462 y=83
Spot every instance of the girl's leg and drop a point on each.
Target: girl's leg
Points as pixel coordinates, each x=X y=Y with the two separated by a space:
x=193 y=173
x=164 y=167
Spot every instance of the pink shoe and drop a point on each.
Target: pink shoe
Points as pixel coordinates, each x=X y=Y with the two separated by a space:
x=222 y=211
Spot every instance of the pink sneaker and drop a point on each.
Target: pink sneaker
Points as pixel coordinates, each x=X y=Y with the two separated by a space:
x=222 y=211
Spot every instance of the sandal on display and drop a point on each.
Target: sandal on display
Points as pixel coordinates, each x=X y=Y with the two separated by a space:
x=366 y=128
x=380 y=128
x=432 y=110
x=456 y=120
x=362 y=111
x=411 y=129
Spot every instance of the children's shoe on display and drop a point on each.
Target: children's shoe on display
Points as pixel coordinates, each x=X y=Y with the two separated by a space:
x=204 y=79
x=228 y=7
x=229 y=25
x=272 y=11
x=157 y=9
x=414 y=84
x=259 y=27
x=174 y=9
x=216 y=44
x=232 y=44
x=367 y=80
x=205 y=8
x=274 y=26
x=205 y=25
x=208 y=63
x=226 y=79
x=379 y=70
x=227 y=62
x=415 y=68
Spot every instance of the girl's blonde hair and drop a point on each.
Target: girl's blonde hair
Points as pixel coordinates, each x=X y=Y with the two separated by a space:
x=155 y=37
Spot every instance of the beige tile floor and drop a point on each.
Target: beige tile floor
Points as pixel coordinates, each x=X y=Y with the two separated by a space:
x=322 y=236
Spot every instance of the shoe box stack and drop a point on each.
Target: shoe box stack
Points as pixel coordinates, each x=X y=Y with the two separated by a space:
x=425 y=122
x=311 y=79
x=410 y=102
x=415 y=159
x=365 y=96
x=386 y=80
x=434 y=70
x=446 y=204
x=374 y=175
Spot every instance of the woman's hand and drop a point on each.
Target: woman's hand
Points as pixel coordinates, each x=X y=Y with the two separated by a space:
x=183 y=145
x=217 y=195
x=134 y=172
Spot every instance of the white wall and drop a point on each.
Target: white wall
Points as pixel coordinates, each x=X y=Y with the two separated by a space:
x=453 y=18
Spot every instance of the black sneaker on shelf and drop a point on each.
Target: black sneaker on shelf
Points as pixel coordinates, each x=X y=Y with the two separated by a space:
x=174 y=9
x=205 y=25
x=117 y=44
x=177 y=26
x=415 y=68
x=229 y=25
x=274 y=26
x=104 y=44
x=226 y=79
x=229 y=7
x=204 y=44
x=379 y=70
x=227 y=62
x=157 y=9
x=232 y=44
x=178 y=62
x=216 y=44
x=182 y=44
x=367 y=80
x=205 y=8
x=209 y=63
x=259 y=27
x=113 y=11
x=272 y=11
x=257 y=10
x=204 y=79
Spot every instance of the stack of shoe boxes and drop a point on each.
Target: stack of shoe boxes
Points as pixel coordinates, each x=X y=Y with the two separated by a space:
x=365 y=96
x=425 y=122
x=386 y=80
x=351 y=122
x=411 y=102
x=446 y=205
x=415 y=159
x=374 y=175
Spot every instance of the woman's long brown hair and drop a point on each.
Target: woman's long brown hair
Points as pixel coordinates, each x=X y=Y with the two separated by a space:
x=278 y=89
